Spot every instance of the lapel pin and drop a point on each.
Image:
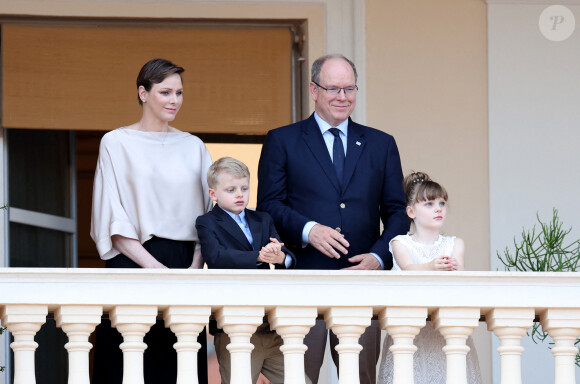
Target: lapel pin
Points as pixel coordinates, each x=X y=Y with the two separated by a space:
x=358 y=143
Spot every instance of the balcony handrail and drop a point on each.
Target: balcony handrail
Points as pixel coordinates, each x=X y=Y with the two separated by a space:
x=238 y=299
x=322 y=289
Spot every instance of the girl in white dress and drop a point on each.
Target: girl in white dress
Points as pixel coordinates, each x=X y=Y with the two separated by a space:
x=427 y=250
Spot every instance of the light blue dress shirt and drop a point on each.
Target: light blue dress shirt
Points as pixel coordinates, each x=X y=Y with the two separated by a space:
x=243 y=224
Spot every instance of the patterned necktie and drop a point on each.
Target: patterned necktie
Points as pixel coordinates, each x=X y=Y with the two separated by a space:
x=245 y=228
x=337 y=154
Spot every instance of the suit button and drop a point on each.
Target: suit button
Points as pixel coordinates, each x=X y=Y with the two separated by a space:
x=342 y=205
x=337 y=229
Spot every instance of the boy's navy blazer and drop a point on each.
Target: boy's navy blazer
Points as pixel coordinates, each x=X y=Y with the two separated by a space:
x=298 y=184
x=225 y=246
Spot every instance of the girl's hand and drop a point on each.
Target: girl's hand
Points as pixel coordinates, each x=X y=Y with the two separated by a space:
x=454 y=263
x=443 y=263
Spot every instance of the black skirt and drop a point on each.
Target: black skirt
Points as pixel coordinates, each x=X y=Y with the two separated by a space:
x=160 y=358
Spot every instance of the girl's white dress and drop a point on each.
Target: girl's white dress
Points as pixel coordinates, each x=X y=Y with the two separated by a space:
x=429 y=361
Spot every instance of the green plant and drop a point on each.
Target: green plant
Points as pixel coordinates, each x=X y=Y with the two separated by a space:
x=543 y=251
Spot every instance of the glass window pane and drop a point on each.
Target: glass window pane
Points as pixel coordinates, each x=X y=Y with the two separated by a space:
x=39 y=171
x=38 y=247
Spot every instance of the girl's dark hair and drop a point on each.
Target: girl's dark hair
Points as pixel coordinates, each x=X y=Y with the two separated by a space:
x=419 y=187
x=154 y=72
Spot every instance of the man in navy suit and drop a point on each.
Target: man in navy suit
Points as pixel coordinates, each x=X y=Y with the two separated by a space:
x=328 y=182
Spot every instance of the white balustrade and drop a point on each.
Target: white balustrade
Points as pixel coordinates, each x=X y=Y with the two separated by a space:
x=456 y=325
x=186 y=322
x=292 y=300
x=133 y=322
x=510 y=325
x=292 y=324
x=348 y=324
x=240 y=323
x=563 y=325
x=403 y=324
x=23 y=321
x=78 y=322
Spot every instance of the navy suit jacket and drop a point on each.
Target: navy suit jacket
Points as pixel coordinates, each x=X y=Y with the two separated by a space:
x=298 y=184
x=225 y=246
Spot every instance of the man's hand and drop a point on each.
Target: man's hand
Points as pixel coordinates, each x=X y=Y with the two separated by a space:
x=328 y=241
x=365 y=261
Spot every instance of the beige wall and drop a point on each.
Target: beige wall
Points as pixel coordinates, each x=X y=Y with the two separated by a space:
x=427 y=86
x=426 y=76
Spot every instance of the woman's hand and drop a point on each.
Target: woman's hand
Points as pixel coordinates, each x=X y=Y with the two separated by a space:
x=135 y=251
x=197 y=262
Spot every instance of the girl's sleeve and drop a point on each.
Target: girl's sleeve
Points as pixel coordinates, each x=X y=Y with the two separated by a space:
x=108 y=215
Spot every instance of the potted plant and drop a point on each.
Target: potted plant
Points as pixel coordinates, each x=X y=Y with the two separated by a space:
x=544 y=250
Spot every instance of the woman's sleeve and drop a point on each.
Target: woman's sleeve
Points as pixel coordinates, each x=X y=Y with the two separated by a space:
x=108 y=215
x=207 y=201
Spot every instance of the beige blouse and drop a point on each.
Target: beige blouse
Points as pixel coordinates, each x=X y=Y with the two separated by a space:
x=148 y=184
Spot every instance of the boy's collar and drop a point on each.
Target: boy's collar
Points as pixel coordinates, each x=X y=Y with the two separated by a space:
x=233 y=215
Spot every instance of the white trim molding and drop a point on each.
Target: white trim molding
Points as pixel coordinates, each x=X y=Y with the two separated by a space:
x=534 y=2
x=42 y=220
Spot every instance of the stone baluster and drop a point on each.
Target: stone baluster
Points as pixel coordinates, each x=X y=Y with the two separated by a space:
x=403 y=324
x=456 y=325
x=23 y=321
x=563 y=325
x=186 y=322
x=348 y=324
x=509 y=325
x=292 y=324
x=133 y=322
x=78 y=322
x=240 y=323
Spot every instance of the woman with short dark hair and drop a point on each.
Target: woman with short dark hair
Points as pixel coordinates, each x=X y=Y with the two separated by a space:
x=150 y=187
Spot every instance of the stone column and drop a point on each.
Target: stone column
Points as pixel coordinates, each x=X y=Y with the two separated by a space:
x=456 y=324
x=509 y=325
x=403 y=324
x=133 y=322
x=78 y=322
x=23 y=321
x=186 y=322
x=563 y=325
x=348 y=324
x=292 y=324
x=240 y=323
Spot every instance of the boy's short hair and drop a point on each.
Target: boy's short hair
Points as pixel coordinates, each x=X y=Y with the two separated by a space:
x=226 y=165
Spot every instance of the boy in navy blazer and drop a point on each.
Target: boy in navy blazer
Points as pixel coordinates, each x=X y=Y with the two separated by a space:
x=231 y=237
